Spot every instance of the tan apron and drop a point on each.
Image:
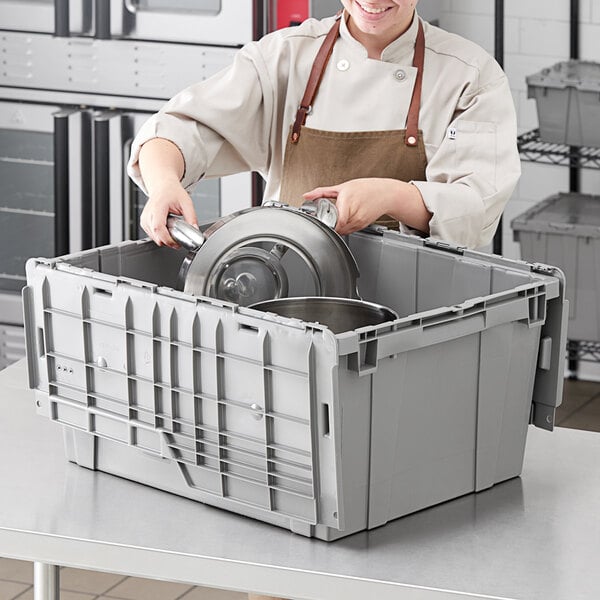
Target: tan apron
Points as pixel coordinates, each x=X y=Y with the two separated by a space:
x=314 y=157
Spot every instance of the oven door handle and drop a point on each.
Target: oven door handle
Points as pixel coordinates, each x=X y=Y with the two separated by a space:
x=115 y=17
x=104 y=14
x=62 y=27
x=101 y=183
x=118 y=16
x=131 y=194
x=73 y=17
x=130 y=6
x=72 y=181
x=109 y=165
x=129 y=208
x=61 y=183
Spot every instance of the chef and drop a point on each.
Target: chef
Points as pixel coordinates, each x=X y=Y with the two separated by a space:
x=397 y=121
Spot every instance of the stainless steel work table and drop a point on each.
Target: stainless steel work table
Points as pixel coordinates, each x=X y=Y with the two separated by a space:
x=534 y=537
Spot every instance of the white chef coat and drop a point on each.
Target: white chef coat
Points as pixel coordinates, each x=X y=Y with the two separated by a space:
x=239 y=119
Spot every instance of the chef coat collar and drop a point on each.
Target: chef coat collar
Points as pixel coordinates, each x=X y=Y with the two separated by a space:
x=401 y=49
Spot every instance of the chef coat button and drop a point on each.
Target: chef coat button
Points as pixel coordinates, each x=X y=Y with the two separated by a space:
x=343 y=65
x=400 y=75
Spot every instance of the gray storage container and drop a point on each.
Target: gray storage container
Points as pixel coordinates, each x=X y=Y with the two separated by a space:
x=568 y=102
x=564 y=230
x=280 y=419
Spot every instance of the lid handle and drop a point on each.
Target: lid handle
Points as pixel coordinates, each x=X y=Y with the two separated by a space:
x=183 y=233
x=322 y=209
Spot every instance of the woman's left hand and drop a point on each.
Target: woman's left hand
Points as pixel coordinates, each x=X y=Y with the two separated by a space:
x=361 y=202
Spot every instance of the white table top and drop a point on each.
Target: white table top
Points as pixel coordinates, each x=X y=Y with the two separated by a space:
x=536 y=537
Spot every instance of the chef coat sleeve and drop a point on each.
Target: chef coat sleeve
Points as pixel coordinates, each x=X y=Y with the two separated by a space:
x=474 y=170
x=220 y=125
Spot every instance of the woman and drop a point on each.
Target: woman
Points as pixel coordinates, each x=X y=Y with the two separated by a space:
x=399 y=122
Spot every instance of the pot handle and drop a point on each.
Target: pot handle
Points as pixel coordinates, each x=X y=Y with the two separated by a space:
x=322 y=209
x=183 y=233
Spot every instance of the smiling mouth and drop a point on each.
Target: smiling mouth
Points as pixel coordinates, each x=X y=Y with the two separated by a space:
x=371 y=10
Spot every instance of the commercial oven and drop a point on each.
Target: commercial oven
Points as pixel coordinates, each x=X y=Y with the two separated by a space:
x=46 y=16
x=64 y=188
x=218 y=22
x=79 y=78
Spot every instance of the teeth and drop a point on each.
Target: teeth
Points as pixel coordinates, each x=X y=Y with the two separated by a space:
x=373 y=11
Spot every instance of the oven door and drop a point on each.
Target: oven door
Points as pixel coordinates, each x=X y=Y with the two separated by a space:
x=220 y=22
x=118 y=202
x=47 y=16
x=40 y=192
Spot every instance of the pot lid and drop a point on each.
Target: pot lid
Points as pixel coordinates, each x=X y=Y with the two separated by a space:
x=268 y=252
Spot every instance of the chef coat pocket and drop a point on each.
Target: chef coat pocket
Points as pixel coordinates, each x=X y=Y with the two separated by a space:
x=475 y=151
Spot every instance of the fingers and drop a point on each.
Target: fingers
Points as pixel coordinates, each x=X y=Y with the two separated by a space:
x=188 y=213
x=344 y=204
x=158 y=230
x=343 y=219
x=359 y=202
x=355 y=211
x=336 y=193
x=322 y=192
x=153 y=220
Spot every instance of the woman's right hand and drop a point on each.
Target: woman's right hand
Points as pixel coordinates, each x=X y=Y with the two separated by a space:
x=162 y=165
x=168 y=197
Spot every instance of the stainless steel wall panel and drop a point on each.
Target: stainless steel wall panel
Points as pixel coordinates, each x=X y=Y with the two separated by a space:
x=119 y=67
x=34 y=60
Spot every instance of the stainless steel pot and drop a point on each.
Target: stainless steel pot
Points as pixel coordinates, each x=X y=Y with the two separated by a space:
x=338 y=314
x=267 y=252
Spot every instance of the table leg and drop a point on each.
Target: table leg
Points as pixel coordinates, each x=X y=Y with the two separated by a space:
x=45 y=581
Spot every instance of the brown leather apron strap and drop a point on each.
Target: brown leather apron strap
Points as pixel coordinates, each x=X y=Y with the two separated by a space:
x=412 y=120
x=316 y=74
x=318 y=68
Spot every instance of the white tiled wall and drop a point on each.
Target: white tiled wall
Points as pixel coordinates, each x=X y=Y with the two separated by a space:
x=536 y=36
